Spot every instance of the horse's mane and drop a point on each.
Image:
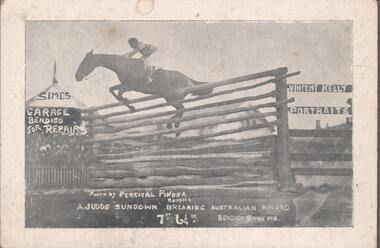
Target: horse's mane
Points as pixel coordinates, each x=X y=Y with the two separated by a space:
x=116 y=56
x=120 y=61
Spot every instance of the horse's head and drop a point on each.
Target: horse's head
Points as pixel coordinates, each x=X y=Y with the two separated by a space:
x=86 y=66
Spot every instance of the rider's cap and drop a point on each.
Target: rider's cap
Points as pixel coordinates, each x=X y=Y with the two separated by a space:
x=133 y=42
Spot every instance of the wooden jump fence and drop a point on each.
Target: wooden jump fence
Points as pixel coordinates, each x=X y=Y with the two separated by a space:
x=123 y=157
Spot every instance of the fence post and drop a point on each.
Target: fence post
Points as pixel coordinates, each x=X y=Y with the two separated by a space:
x=87 y=151
x=285 y=177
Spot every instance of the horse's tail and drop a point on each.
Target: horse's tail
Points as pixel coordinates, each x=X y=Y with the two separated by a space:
x=201 y=92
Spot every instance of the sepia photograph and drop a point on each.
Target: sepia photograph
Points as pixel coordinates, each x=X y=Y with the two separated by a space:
x=188 y=124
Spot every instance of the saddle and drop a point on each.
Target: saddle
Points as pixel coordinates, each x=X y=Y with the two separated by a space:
x=149 y=71
x=141 y=68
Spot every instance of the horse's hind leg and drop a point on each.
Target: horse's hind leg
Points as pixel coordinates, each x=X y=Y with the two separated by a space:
x=179 y=114
x=176 y=115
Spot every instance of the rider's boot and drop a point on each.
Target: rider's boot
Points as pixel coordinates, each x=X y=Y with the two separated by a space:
x=149 y=70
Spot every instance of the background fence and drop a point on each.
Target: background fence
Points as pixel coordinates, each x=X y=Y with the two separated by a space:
x=52 y=177
x=321 y=152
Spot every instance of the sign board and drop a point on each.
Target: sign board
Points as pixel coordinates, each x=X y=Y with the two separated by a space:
x=324 y=88
x=53 y=120
x=320 y=110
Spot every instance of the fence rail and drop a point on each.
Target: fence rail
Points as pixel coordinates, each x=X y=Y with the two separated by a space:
x=321 y=156
x=322 y=171
x=314 y=133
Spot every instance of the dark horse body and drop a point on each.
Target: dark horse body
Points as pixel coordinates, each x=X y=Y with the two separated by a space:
x=171 y=85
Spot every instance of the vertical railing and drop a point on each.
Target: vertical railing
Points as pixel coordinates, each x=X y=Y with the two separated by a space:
x=88 y=149
x=285 y=177
x=50 y=176
x=84 y=166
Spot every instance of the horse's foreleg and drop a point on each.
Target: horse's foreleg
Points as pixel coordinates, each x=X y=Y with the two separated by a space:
x=126 y=101
x=112 y=91
x=119 y=96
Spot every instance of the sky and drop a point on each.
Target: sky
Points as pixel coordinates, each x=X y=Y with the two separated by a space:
x=204 y=51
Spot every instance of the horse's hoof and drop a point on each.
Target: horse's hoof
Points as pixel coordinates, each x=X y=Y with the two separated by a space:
x=132 y=108
x=169 y=126
x=176 y=124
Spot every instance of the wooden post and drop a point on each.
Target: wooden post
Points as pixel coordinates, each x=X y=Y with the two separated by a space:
x=88 y=150
x=84 y=167
x=285 y=177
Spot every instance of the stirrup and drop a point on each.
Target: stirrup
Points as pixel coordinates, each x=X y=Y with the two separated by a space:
x=148 y=81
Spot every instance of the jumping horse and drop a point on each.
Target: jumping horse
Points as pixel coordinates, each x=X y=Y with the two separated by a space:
x=131 y=72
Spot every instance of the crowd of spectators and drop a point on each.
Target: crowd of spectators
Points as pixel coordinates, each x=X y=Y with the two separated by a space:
x=54 y=151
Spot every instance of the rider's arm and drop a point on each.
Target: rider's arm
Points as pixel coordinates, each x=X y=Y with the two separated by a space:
x=131 y=54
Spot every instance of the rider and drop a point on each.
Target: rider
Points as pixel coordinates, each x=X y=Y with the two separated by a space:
x=146 y=50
